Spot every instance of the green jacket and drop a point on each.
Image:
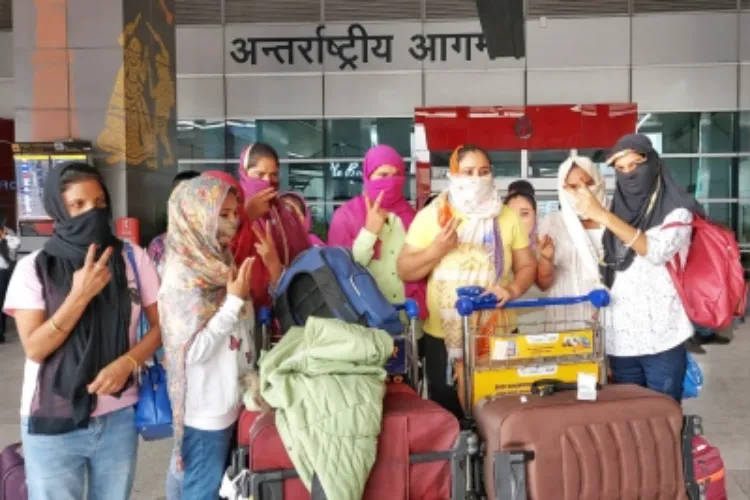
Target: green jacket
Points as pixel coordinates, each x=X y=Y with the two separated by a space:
x=327 y=382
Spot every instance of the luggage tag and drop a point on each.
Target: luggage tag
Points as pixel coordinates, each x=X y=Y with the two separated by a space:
x=586 y=387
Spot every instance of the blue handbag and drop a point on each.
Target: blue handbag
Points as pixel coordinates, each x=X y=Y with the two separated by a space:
x=693 y=381
x=153 y=412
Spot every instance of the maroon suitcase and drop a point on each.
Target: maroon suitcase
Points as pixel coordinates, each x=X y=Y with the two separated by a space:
x=628 y=444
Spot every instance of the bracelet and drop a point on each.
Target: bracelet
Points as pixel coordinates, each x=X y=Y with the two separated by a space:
x=56 y=328
x=130 y=358
x=637 y=234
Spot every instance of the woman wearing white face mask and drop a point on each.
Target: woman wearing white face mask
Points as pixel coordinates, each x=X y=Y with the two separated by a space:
x=570 y=245
x=465 y=237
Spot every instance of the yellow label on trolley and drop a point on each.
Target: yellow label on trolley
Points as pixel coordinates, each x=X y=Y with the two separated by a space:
x=500 y=381
x=542 y=345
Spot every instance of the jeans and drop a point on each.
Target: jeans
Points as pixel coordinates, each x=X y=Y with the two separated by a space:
x=104 y=453
x=204 y=455
x=663 y=372
x=174 y=480
x=436 y=368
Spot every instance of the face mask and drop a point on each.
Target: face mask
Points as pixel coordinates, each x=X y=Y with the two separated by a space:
x=471 y=194
x=92 y=226
x=640 y=182
x=600 y=193
x=227 y=229
x=251 y=185
x=391 y=187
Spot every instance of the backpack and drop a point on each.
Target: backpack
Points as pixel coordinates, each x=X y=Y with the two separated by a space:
x=712 y=282
x=327 y=282
x=12 y=474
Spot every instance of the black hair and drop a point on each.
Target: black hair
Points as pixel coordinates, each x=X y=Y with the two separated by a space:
x=521 y=186
x=257 y=151
x=76 y=172
x=185 y=175
x=471 y=148
x=521 y=194
x=430 y=199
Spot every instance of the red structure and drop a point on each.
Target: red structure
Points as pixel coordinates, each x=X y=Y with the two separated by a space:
x=7 y=173
x=509 y=128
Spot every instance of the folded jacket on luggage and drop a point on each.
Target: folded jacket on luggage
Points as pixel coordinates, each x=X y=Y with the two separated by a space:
x=326 y=382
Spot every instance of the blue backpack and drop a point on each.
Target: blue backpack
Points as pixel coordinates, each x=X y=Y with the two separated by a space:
x=326 y=282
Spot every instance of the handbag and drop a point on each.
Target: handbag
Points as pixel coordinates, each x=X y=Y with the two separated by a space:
x=693 y=381
x=153 y=412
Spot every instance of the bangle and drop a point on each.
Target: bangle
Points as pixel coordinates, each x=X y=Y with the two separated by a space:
x=56 y=328
x=130 y=358
x=637 y=234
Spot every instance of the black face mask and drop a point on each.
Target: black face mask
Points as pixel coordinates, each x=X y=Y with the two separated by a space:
x=74 y=235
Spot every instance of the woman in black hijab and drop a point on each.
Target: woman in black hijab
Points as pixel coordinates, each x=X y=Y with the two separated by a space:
x=648 y=225
x=77 y=304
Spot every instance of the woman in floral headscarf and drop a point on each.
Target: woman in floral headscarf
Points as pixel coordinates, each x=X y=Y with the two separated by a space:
x=465 y=237
x=207 y=316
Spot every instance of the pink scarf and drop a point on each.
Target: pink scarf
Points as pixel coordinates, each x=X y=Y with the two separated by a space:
x=307 y=223
x=350 y=218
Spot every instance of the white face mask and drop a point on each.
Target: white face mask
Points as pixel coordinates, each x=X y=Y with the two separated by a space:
x=473 y=195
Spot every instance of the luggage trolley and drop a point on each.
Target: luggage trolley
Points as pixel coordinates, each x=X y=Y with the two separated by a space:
x=526 y=360
x=404 y=365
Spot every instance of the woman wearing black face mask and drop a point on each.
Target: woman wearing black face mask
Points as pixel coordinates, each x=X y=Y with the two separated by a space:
x=646 y=326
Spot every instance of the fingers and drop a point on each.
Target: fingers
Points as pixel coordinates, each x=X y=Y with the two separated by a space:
x=244 y=267
x=268 y=232
x=378 y=201
x=267 y=194
x=368 y=203
x=249 y=270
x=259 y=233
x=104 y=259
x=90 y=256
x=232 y=275
x=95 y=386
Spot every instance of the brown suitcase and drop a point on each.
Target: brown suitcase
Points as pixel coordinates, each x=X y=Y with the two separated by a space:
x=625 y=445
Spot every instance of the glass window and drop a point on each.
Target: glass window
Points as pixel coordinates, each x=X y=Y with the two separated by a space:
x=307 y=179
x=598 y=156
x=546 y=163
x=703 y=132
x=351 y=138
x=200 y=139
x=745 y=131
x=703 y=177
x=202 y=166
x=293 y=139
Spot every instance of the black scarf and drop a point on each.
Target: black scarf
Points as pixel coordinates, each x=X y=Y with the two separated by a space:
x=643 y=198
x=61 y=402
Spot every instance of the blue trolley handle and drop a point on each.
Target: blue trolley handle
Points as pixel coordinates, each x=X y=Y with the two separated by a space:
x=411 y=308
x=466 y=304
x=264 y=318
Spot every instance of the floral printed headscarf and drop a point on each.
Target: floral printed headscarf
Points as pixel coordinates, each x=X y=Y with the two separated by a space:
x=194 y=280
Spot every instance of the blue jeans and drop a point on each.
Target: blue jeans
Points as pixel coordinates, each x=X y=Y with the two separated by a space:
x=204 y=454
x=174 y=480
x=105 y=453
x=663 y=372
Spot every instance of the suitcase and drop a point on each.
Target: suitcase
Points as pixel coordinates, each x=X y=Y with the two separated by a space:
x=12 y=474
x=628 y=444
x=709 y=470
x=421 y=454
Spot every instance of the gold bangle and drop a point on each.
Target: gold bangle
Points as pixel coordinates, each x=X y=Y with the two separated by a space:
x=130 y=358
x=637 y=234
x=56 y=328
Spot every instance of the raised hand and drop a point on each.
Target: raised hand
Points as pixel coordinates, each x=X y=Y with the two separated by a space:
x=547 y=247
x=375 y=216
x=266 y=248
x=91 y=279
x=259 y=204
x=447 y=238
x=240 y=280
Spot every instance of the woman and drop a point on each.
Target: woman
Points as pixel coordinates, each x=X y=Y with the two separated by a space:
x=302 y=209
x=465 y=237
x=268 y=229
x=77 y=310
x=571 y=244
x=646 y=325
x=374 y=225
x=524 y=204
x=207 y=318
x=9 y=244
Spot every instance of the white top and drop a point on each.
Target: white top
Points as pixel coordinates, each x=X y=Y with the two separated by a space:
x=646 y=315
x=572 y=275
x=13 y=243
x=217 y=358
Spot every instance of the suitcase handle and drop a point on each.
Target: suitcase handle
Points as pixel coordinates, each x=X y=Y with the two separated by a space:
x=470 y=300
x=549 y=386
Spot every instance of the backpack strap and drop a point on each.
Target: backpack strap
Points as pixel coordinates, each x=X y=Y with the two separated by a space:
x=142 y=322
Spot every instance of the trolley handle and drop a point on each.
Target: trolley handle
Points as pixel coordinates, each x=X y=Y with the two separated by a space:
x=264 y=316
x=410 y=307
x=470 y=300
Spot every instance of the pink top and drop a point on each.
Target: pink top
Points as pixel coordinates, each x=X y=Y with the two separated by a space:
x=25 y=292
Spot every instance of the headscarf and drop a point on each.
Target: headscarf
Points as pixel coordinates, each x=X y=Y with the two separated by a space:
x=571 y=218
x=194 y=281
x=298 y=200
x=286 y=228
x=643 y=198
x=62 y=402
x=475 y=199
x=350 y=218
